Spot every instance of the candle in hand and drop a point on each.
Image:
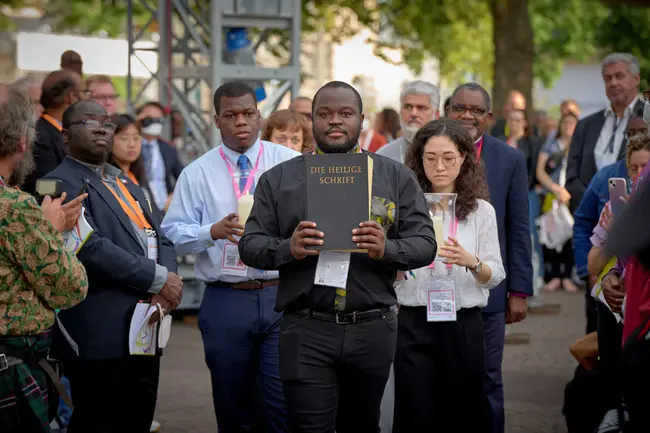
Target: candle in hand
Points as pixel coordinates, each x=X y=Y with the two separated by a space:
x=244 y=207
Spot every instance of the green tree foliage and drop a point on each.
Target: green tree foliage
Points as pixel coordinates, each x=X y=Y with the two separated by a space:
x=626 y=30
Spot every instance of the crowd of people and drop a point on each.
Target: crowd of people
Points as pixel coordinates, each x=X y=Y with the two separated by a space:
x=358 y=348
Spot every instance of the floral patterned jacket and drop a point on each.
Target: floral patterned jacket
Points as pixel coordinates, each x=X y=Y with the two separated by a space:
x=37 y=273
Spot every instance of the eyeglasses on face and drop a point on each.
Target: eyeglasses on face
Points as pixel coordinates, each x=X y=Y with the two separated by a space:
x=459 y=109
x=432 y=161
x=95 y=124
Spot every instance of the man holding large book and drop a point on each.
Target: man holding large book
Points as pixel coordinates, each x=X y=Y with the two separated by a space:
x=338 y=333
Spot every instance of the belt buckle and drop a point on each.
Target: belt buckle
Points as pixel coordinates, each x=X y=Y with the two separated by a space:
x=4 y=364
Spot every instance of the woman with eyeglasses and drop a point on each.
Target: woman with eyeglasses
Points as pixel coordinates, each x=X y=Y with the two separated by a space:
x=439 y=367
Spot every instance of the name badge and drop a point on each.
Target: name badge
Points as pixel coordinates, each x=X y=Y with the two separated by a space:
x=152 y=248
x=441 y=300
x=231 y=264
x=332 y=269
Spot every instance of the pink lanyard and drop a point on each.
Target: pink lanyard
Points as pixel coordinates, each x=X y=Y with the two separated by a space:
x=453 y=228
x=251 y=174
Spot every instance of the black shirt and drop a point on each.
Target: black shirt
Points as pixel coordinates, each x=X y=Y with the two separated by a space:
x=49 y=151
x=280 y=205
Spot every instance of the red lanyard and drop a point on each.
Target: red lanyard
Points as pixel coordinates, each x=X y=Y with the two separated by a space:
x=251 y=175
x=453 y=228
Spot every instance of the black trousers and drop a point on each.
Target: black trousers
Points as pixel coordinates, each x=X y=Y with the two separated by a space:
x=439 y=373
x=113 y=396
x=558 y=265
x=610 y=342
x=334 y=375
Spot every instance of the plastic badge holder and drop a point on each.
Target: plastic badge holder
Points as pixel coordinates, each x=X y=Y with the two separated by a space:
x=442 y=210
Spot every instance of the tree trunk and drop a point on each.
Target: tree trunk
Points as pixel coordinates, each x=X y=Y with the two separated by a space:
x=514 y=49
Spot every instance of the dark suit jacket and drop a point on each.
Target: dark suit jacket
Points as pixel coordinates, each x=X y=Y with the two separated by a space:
x=119 y=273
x=530 y=146
x=49 y=152
x=507 y=179
x=173 y=164
x=581 y=165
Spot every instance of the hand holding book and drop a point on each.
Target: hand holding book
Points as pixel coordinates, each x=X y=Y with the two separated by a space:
x=303 y=236
x=370 y=237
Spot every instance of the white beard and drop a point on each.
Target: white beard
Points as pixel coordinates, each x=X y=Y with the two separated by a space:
x=409 y=132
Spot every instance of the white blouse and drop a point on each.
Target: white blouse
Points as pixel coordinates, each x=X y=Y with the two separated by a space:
x=478 y=235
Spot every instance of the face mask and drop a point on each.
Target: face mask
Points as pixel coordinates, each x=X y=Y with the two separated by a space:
x=646 y=113
x=154 y=130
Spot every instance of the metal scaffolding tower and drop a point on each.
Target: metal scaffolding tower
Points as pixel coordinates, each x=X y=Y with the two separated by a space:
x=188 y=36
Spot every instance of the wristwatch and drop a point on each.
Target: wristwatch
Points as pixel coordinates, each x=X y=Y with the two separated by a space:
x=478 y=267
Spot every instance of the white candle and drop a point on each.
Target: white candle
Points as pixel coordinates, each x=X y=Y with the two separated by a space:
x=438 y=228
x=244 y=207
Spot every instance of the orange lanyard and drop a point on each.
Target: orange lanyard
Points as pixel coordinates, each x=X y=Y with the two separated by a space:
x=131 y=176
x=134 y=212
x=52 y=122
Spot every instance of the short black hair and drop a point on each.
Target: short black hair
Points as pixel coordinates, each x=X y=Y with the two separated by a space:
x=69 y=113
x=475 y=87
x=56 y=86
x=232 y=89
x=339 y=85
x=156 y=104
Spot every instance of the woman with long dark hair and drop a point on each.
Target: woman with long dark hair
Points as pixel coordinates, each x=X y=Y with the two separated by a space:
x=127 y=151
x=439 y=364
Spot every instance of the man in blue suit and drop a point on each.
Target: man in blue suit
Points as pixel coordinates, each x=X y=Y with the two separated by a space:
x=127 y=260
x=507 y=178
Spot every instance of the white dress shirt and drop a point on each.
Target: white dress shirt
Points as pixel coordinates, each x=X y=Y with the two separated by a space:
x=204 y=195
x=478 y=235
x=602 y=156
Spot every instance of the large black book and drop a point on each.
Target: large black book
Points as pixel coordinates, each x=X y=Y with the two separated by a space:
x=339 y=195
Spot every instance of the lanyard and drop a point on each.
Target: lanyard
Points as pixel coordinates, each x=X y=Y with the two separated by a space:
x=52 y=121
x=612 y=140
x=479 y=149
x=251 y=174
x=135 y=211
x=453 y=229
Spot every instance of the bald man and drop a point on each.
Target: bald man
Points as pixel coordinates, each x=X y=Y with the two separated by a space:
x=71 y=60
x=514 y=101
x=60 y=90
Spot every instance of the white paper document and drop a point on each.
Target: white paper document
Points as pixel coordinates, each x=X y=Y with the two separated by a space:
x=146 y=338
x=76 y=238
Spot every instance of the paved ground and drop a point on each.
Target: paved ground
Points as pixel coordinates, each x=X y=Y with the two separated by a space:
x=535 y=374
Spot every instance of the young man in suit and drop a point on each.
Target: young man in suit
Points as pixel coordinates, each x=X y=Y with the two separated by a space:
x=507 y=178
x=128 y=261
x=599 y=139
x=161 y=159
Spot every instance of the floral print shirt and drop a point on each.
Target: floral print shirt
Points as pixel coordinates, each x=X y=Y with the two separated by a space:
x=37 y=273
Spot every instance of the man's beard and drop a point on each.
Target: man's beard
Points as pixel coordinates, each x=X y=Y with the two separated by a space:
x=23 y=168
x=410 y=131
x=352 y=142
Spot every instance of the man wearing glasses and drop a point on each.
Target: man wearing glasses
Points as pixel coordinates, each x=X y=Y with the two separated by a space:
x=100 y=88
x=128 y=261
x=507 y=178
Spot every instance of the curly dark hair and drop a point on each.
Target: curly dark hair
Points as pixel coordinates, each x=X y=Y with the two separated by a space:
x=470 y=183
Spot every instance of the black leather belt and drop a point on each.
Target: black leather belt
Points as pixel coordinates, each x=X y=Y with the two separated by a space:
x=345 y=318
x=247 y=285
